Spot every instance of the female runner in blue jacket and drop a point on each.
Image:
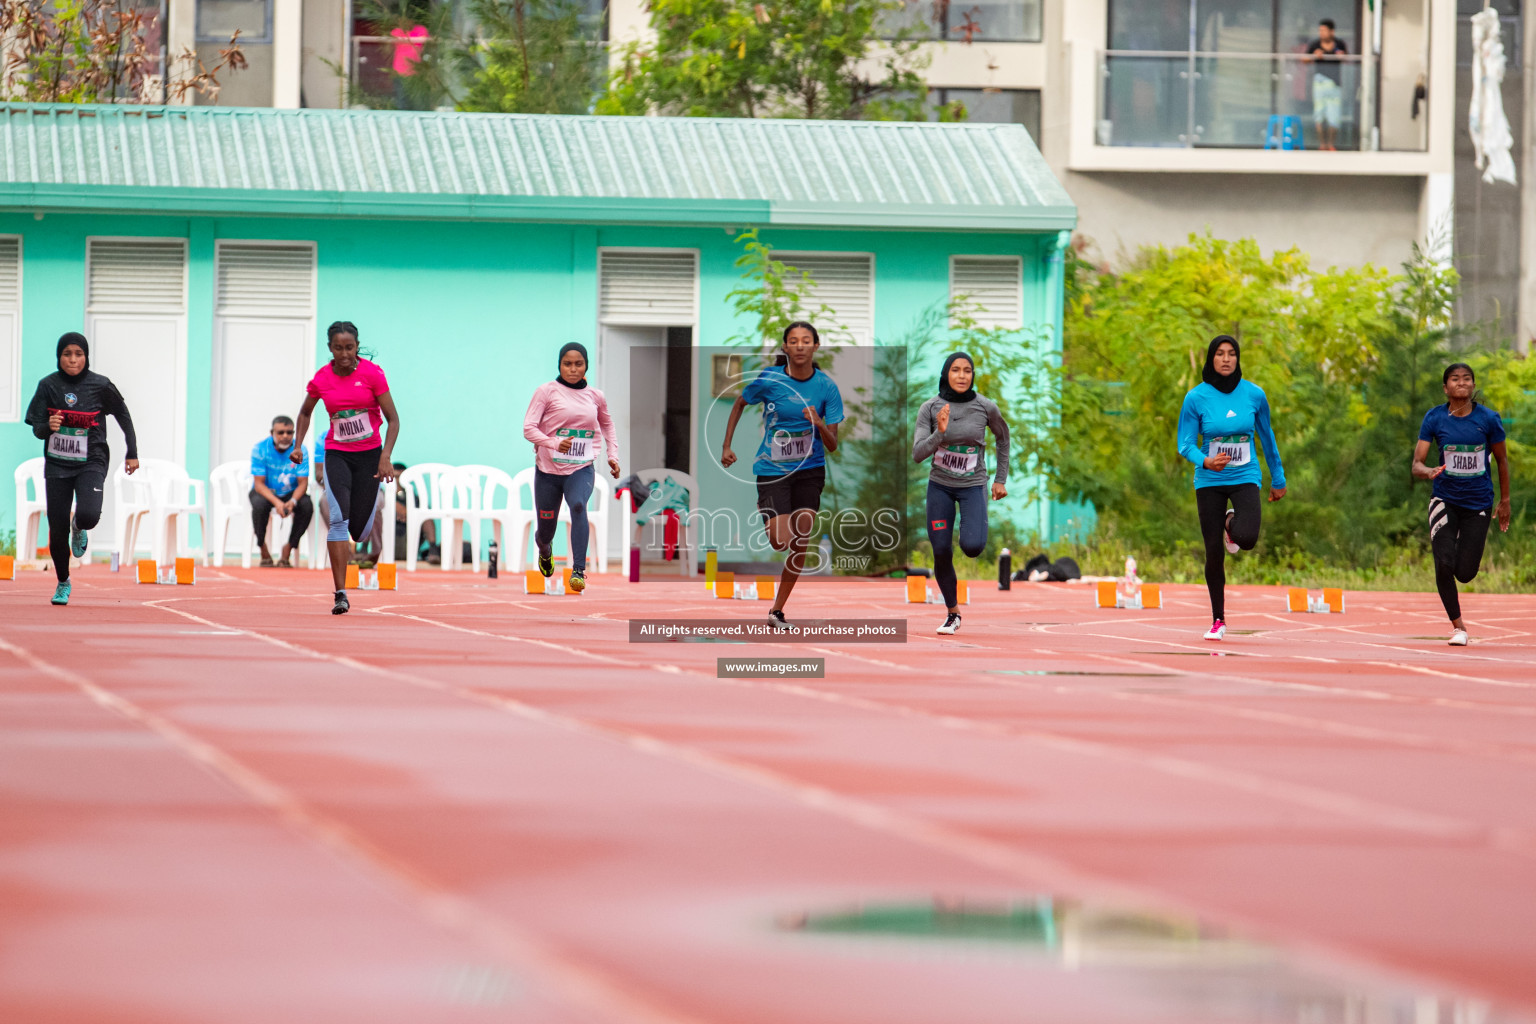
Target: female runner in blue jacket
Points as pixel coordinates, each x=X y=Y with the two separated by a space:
x=1221 y=419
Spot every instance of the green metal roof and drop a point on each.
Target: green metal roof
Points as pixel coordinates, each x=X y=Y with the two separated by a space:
x=527 y=167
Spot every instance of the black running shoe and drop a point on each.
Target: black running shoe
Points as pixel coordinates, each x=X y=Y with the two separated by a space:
x=341 y=607
x=547 y=562
x=776 y=620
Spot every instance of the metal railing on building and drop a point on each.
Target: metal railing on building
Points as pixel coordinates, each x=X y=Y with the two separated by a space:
x=1234 y=100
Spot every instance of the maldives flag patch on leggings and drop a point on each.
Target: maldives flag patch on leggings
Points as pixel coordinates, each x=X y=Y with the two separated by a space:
x=546 y=515
x=939 y=524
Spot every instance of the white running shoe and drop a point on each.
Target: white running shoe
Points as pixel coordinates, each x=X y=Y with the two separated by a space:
x=777 y=621
x=1458 y=638
x=1232 y=548
x=1217 y=631
x=951 y=624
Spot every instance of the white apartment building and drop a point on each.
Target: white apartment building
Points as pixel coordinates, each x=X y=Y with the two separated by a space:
x=1161 y=117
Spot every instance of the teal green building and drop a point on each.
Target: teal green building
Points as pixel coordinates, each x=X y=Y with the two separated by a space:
x=203 y=251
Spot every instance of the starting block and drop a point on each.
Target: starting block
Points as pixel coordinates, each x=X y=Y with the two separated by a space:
x=382 y=577
x=760 y=589
x=535 y=583
x=1298 y=599
x=182 y=572
x=7 y=567
x=1118 y=594
x=918 y=591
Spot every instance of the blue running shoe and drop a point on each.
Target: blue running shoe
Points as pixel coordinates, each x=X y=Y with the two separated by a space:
x=76 y=541
x=61 y=593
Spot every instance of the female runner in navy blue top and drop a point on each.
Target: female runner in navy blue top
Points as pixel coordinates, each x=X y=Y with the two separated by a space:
x=1465 y=433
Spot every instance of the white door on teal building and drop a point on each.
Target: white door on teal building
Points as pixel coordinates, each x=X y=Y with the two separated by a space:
x=136 y=322
x=264 y=341
x=646 y=297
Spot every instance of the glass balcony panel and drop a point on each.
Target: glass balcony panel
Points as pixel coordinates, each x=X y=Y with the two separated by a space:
x=995 y=21
x=1234 y=97
x=1301 y=96
x=1149 y=25
x=1145 y=101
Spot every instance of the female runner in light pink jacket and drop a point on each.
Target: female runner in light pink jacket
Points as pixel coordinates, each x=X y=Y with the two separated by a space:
x=564 y=420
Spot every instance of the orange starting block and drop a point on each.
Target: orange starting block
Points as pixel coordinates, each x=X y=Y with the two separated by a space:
x=535 y=583
x=1299 y=599
x=1115 y=594
x=381 y=577
x=918 y=591
x=760 y=588
x=7 y=567
x=182 y=572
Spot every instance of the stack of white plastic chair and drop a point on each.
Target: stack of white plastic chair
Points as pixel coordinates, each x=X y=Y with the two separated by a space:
x=519 y=517
x=164 y=497
x=687 y=543
x=473 y=496
x=423 y=501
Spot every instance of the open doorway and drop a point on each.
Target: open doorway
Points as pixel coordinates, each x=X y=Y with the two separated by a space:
x=647 y=375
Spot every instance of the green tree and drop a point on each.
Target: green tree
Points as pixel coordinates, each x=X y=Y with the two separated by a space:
x=99 y=51
x=774 y=58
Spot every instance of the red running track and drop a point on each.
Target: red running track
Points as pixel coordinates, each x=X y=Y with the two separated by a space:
x=458 y=803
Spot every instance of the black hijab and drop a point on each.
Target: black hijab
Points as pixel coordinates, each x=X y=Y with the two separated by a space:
x=948 y=393
x=1226 y=385
x=571 y=346
x=66 y=340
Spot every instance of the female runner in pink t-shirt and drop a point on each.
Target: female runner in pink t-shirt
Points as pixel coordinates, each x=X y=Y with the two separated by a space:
x=564 y=420
x=357 y=398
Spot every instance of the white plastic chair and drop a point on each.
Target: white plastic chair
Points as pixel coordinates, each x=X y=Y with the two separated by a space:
x=162 y=493
x=518 y=520
x=32 y=511
x=687 y=543
x=423 y=501
x=31 y=507
x=470 y=496
x=229 y=488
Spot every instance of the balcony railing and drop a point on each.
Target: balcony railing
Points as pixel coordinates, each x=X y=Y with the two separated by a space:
x=1236 y=100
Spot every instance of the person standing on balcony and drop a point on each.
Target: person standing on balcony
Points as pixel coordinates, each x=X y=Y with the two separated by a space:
x=1325 y=53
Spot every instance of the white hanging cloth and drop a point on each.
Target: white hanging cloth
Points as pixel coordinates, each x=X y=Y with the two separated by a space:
x=1491 y=138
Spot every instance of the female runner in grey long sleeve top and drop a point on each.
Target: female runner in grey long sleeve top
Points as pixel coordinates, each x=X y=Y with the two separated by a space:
x=952 y=430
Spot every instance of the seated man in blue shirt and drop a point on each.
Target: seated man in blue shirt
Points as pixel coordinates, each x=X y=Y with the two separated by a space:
x=279 y=485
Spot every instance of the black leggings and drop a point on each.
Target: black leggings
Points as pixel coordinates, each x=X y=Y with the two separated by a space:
x=943 y=505
x=1212 y=505
x=352 y=493
x=83 y=490
x=1456 y=536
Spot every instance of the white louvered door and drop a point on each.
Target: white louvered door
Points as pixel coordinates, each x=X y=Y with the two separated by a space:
x=11 y=397
x=845 y=283
x=648 y=288
x=264 y=330
x=136 y=322
x=989 y=288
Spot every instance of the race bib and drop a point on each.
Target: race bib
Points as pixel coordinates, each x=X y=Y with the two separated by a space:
x=789 y=447
x=1237 y=447
x=581 y=447
x=1464 y=459
x=351 y=425
x=69 y=444
x=957 y=459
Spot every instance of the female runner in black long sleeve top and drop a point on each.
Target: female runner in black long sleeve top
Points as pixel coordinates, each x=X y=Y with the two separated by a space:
x=67 y=413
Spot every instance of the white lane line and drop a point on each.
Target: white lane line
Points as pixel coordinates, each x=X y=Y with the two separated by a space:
x=582 y=986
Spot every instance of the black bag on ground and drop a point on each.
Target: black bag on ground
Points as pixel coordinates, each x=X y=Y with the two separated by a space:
x=1064 y=569
x=1037 y=563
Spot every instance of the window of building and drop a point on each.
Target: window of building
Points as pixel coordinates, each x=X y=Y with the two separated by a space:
x=983 y=21
x=10 y=327
x=217 y=20
x=992 y=106
x=845 y=284
x=1233 y=74
x=989 y=289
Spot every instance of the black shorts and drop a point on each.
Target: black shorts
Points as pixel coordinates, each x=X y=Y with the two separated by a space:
x=795 y=490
